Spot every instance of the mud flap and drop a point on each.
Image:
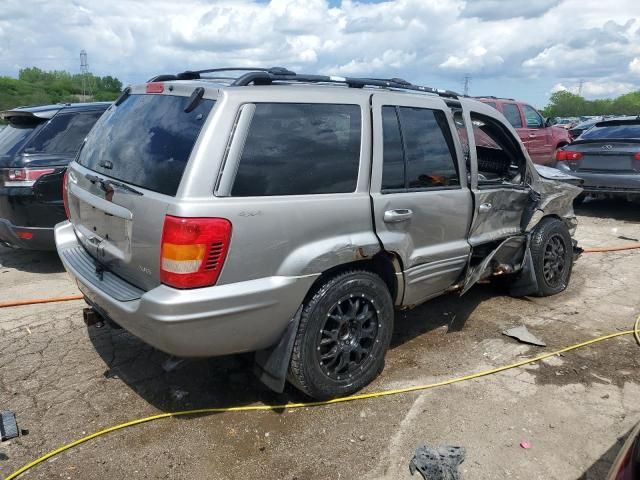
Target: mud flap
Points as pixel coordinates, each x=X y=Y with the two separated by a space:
x=525 y=283
x=271 y=364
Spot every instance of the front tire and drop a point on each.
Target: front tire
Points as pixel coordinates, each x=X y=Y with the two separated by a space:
x=552 y=254
x=345 y=330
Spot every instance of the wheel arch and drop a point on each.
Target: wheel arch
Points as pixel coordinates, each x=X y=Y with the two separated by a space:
x=384 y=264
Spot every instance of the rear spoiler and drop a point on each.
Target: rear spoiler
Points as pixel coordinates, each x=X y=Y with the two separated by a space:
x=18 y=117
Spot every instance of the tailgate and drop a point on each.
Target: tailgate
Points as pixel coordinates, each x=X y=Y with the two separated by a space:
x=126 y=176
x=120 y=230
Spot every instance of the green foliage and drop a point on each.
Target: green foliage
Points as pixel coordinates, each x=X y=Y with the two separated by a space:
x=38 y=87
x=566 y=104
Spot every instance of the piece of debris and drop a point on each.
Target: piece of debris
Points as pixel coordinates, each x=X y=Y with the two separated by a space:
x=622 y=237
x=437 y=463
x=178 y=394
x=172 y=363
x=523 y=335
x=526 y=445
x=8 y=425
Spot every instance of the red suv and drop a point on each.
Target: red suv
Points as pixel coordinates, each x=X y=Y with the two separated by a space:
x=539 y=137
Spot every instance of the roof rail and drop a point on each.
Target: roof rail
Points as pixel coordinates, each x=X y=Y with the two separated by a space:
x=266 y=76
x=494 y=97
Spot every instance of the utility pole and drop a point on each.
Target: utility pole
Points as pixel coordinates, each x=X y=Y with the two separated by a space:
x=84 y=72
x=580 y=84
x=467 y=82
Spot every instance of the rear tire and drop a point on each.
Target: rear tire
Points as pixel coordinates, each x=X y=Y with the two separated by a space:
x=345 y=330
x=552 y=255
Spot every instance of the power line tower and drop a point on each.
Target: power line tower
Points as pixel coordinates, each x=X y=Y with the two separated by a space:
x=84 y=72
x=580 y=85
x=467 y=82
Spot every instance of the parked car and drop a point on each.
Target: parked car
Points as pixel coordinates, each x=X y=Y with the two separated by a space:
x=607 y=158
x=540 y=138
x=578 y=129
x=626 y=466
x=35 y=149
x=290 y=214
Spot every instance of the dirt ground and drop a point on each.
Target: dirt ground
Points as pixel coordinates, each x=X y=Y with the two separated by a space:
x=65 y=380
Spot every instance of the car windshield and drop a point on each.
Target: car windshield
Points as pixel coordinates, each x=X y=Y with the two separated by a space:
x=620 y=131
x=13 y=137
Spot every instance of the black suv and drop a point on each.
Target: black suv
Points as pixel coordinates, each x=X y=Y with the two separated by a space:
x=35 y=148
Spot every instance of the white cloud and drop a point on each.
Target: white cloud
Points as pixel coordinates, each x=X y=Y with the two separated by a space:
x=535 y=44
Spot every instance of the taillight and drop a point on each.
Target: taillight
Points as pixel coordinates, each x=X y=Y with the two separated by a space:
x=562 y=155
x=65 y=200
x=637 y=156
x=193 y=251
x=24 y=177
x=155 y=87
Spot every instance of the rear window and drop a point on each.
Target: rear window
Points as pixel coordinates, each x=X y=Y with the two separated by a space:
x=63 y=133
x=300 y=148
x=13 y=137
x=617 y=131
x=145 y=141
x=512 y=113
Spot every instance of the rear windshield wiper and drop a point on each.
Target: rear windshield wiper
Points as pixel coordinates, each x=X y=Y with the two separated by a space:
x=107 y=184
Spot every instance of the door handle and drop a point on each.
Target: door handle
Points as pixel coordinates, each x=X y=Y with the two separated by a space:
x=485 y=207
x=398 y=215
x=532 y=135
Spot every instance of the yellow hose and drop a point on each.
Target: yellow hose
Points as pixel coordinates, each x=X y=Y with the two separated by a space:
x=384 y=393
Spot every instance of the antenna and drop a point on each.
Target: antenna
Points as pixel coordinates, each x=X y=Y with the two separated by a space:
x=467 y=82
x=580 y=85
x=84 y=72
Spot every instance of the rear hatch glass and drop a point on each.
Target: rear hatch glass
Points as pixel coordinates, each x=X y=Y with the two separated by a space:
x=145 y=141
x=15 y=135
x=130 y=164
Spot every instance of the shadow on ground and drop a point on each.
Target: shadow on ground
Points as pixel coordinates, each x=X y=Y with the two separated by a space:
x=30 y=261
x=601 y=467
x=229 y=381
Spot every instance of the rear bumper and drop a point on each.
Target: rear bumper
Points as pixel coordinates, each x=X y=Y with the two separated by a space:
x=622 y=183
x=203 y=322
x=31 y=238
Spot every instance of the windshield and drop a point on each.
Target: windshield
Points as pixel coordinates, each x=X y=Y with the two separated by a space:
x=145 y=141
x=13 y=137
x=616 y=131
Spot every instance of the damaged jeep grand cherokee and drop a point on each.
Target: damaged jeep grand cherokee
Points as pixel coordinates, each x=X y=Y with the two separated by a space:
x=289 y=215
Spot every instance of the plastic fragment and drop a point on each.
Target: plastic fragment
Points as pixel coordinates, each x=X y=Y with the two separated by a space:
x=523 y=335
x=526 y=445
x=437 y=463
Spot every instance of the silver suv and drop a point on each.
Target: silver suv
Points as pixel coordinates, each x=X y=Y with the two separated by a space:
x=290 y=214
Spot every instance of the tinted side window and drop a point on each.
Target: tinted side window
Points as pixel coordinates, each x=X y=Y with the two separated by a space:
x=393 y=158
x=300 y=148
x=429 y=148
x=64 y=133
x=534 y=120
x=512 y=113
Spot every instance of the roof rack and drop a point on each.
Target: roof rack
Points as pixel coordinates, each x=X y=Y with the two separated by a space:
x=494 y=97
x=267 y=76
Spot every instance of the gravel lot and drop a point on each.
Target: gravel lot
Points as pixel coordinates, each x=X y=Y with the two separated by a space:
x=64 y=381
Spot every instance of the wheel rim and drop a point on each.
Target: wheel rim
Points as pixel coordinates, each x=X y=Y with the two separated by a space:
x=554 y=262
x=347 y=337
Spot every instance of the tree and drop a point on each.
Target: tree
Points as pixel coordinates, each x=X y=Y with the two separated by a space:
x=36 y=87
x=567 y=104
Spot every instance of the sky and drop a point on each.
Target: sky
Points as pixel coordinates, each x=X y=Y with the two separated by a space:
x=524 y=49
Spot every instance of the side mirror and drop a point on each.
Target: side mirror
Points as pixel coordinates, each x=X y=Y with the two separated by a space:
x=548 y=122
